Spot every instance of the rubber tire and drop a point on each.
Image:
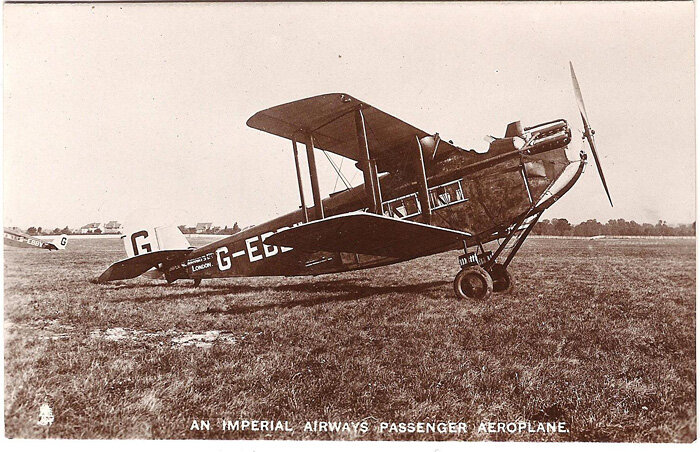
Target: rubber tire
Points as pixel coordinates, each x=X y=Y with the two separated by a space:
x=503 y=280
x=463 y=289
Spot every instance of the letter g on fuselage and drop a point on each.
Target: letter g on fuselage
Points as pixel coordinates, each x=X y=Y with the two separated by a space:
x=222 y=259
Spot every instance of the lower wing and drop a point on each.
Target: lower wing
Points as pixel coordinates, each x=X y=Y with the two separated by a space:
x=367 y=233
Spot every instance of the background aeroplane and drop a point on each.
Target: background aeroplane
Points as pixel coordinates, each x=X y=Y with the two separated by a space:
x=21 y=240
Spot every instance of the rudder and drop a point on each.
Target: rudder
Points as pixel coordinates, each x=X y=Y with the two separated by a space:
x=149 y=240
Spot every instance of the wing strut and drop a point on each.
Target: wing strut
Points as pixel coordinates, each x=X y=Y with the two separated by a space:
x=422 y=180
x=368 y=164
x=318 y=205
x=301 y=187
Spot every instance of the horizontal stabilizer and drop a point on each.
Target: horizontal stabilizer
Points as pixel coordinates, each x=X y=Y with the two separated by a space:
x=132 y=267
x=367 y=233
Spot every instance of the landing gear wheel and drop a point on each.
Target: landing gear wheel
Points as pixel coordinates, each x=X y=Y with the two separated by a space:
x=474 y=283
x=197 y=282
x=503 y=280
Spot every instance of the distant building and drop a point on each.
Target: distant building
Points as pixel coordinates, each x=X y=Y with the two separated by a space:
x=202 y=227
x=90 y=228
x=112 y=227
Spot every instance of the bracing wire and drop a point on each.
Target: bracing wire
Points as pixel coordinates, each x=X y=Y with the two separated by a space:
x=337 y=170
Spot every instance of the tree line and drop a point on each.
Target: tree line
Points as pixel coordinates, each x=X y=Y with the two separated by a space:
x=226 y=230
x=592 y=228
x=56 y=231
x=556 y=226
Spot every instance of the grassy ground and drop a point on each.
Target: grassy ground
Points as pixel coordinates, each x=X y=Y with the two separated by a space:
x=600 y=334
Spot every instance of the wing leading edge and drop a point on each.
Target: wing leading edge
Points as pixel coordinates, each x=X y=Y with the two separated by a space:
x=367 y=233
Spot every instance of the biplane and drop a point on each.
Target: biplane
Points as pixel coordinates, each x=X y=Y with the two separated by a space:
x=21 y=240
x=421 y=195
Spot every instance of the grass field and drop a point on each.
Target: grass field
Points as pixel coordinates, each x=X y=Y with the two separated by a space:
x=599 y=334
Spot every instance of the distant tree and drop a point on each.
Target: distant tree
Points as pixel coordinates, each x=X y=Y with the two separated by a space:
x=31 y=230
x=684 y=229
x=236 y=229
x=613 y=227
x=56 y=231
x=65 y=230
x=39 y=230
x=542 y=227
x=634 y=228
x=661 y=228
x=561 y=226
x=588 y=228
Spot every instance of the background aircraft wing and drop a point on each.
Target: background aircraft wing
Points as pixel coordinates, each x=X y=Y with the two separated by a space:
x=367 y=233
x=134 y=266
x=330 y=119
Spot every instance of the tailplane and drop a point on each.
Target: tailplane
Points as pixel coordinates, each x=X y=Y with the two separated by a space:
x=149 y=251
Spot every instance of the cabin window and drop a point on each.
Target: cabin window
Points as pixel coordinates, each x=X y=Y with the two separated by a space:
x=402 y=207
x=446 y=194
x=440 y=196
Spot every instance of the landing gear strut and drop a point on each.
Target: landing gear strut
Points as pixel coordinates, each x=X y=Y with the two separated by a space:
x=481 y=276
x=473 y=281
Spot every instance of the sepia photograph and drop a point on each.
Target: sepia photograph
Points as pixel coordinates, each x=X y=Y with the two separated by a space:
x=365 y=221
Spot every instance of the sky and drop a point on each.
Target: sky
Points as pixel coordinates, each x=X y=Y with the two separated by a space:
x=137 y=111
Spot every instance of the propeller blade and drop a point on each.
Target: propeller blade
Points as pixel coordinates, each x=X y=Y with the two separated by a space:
x=588 y=132
x=579 y=97
x=591 y=144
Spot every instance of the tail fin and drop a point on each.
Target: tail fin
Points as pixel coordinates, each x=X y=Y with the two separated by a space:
x=60 y=242
x=149 y=251
x=149 y=240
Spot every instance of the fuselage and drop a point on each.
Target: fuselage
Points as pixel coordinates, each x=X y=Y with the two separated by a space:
x=482 y=194
x=21 y=240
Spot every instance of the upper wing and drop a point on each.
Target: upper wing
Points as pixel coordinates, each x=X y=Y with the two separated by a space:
x=330 y=119
x=134 y=266
x=367 y=233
